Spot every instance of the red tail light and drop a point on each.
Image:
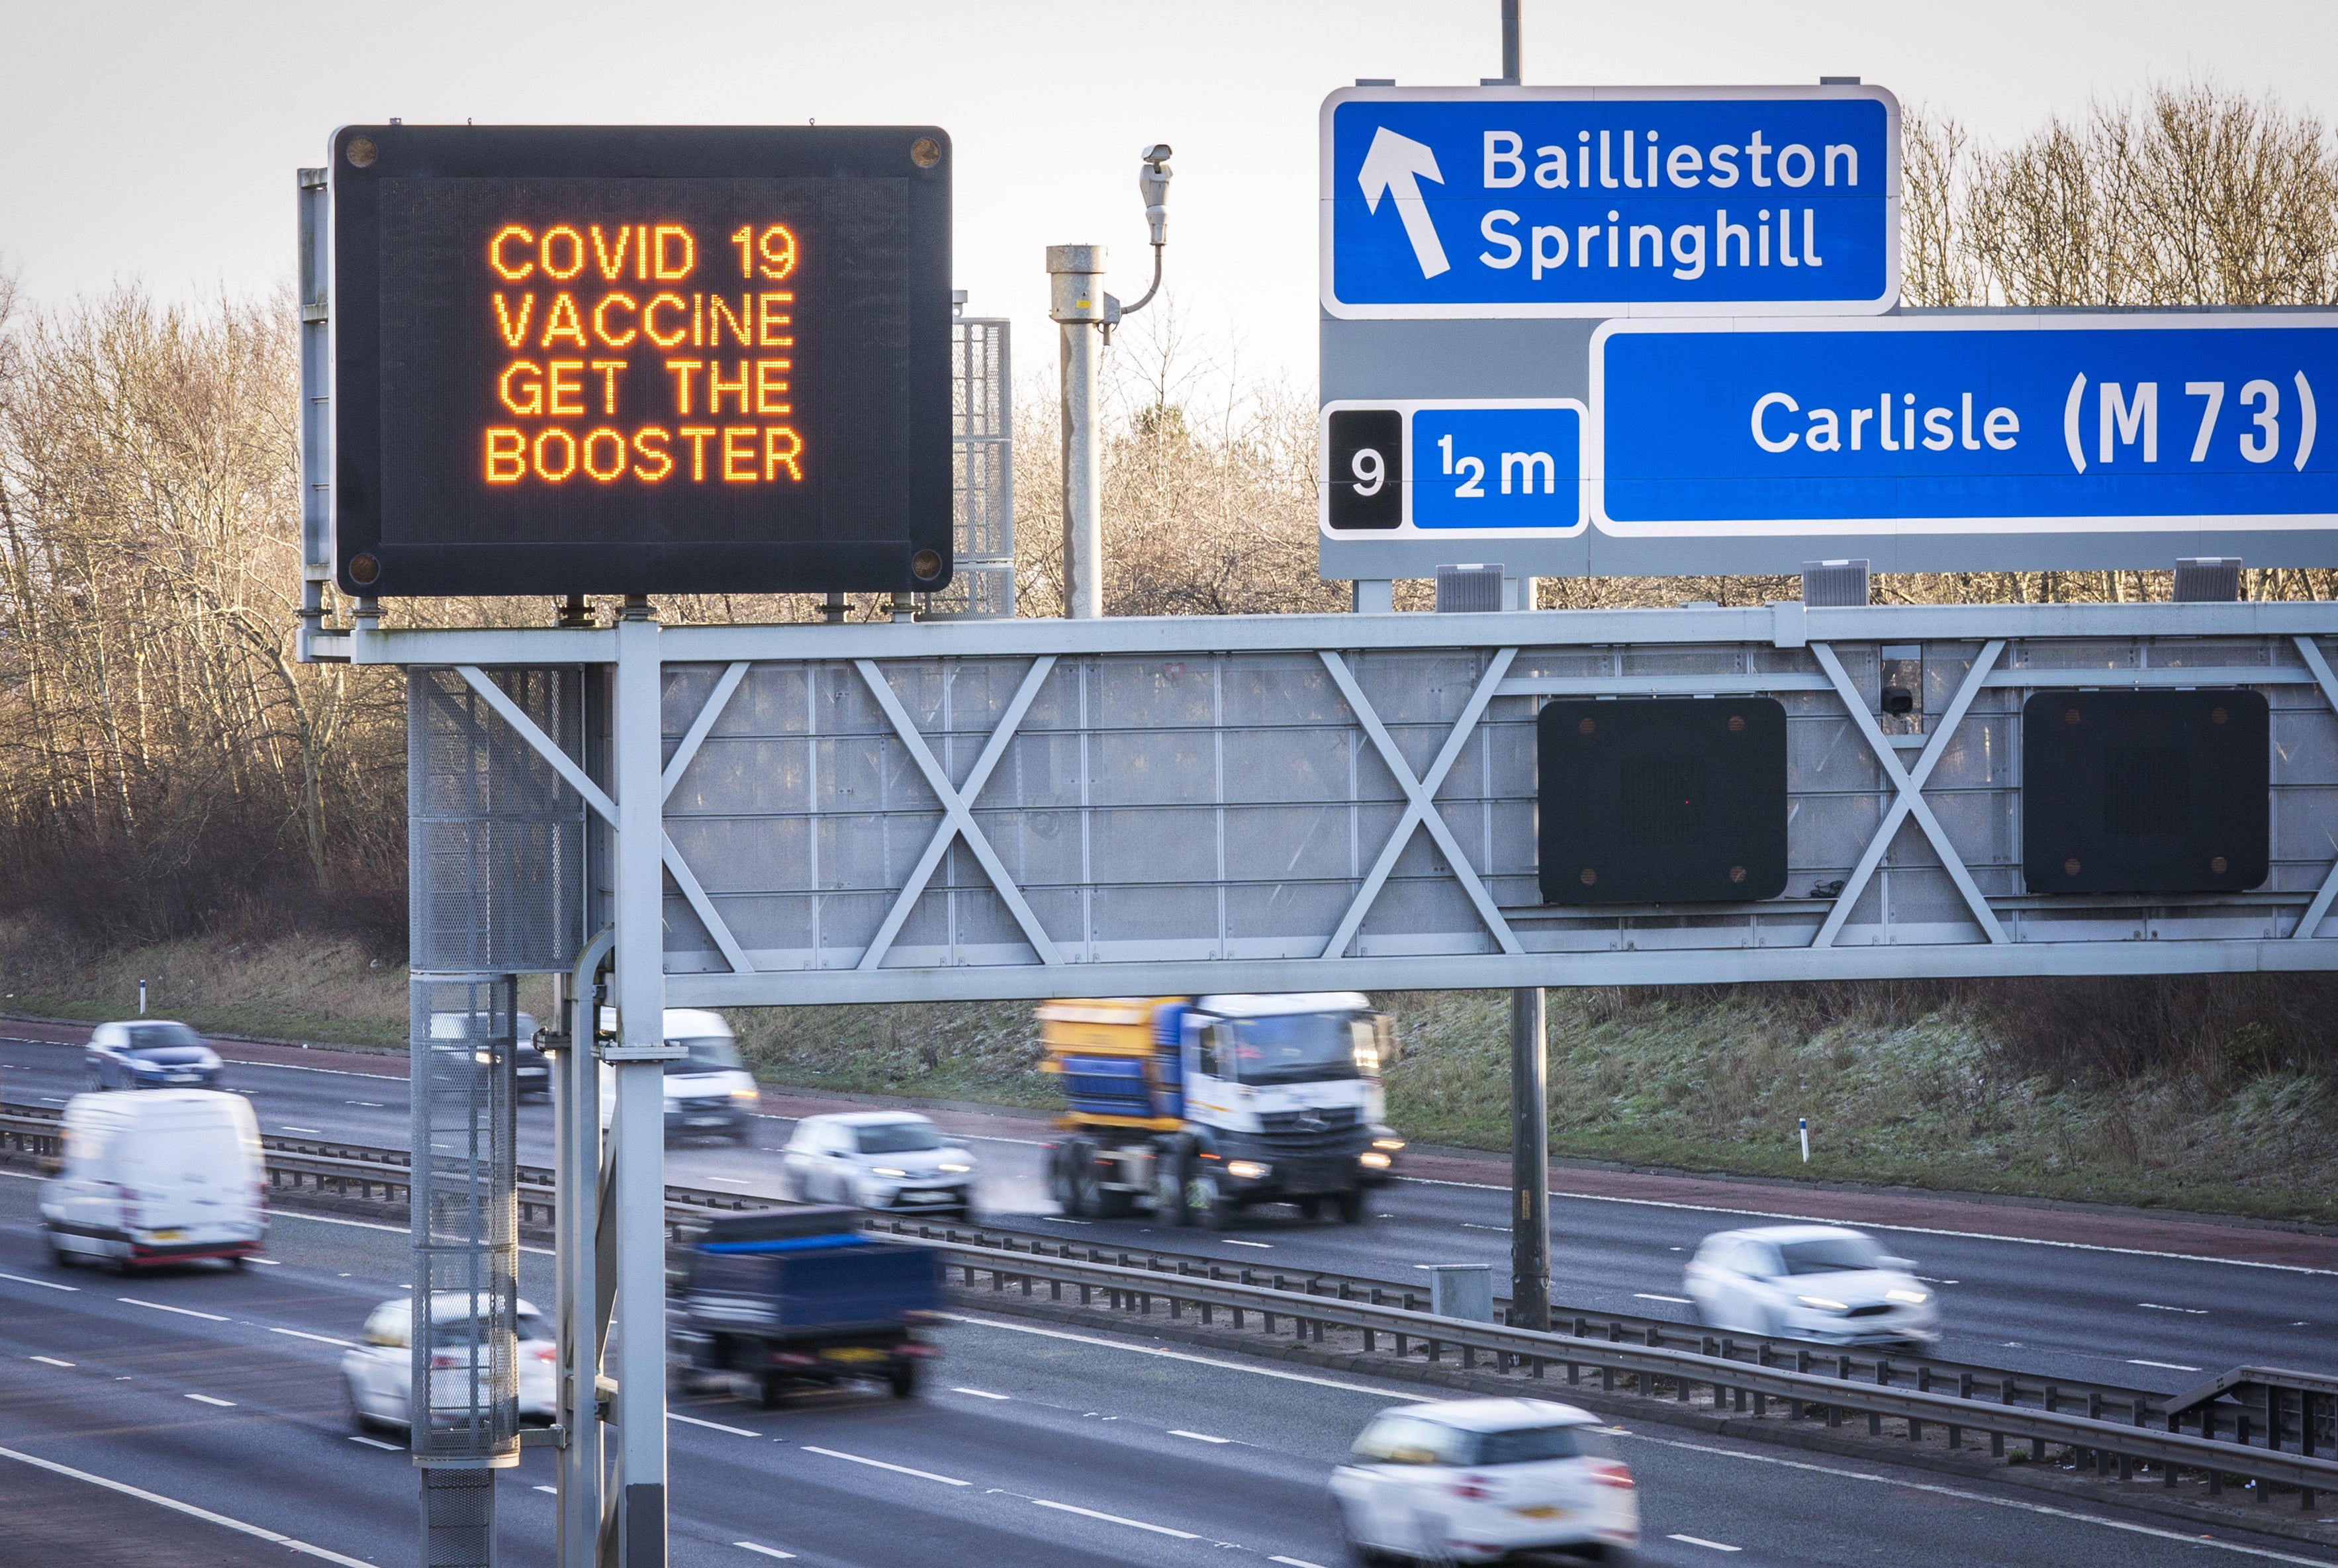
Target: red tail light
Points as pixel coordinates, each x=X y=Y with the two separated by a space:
x=1613 y=1475
x=547 y=1354
x=1472 y=1486
x=444 y=1363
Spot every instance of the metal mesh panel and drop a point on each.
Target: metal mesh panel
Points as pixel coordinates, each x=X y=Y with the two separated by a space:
x=465 y=1219
x=983 y=457
x=458 y=1519
x=496 y=838
x=1469 y=590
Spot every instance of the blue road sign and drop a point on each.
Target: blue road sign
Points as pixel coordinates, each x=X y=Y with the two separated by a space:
x=2117 y=429
x=1490 y=468
x=1513 y=201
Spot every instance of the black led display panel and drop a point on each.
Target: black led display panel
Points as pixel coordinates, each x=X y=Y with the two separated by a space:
x=2146 y=791
x=1662 y=801
x=642 y=360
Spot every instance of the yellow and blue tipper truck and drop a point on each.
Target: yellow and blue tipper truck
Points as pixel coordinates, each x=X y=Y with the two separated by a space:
x=1197 y=1106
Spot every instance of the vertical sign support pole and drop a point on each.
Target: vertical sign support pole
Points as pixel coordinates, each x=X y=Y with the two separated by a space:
x=576 y=1173
x=316 y=408
x=1513 y=66
x=640 y=1128
x=1076 y=287
x=1529 y=1162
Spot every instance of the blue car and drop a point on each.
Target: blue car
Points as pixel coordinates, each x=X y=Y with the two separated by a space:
x=151 y=1053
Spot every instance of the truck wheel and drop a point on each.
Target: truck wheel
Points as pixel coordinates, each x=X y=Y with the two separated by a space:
x=1310 y=1208
x=1116 y=1203
x=904 y=1379
x=773 y=1390
x=1080 y=1194
x=1351 y=1207
x=1202 y=1203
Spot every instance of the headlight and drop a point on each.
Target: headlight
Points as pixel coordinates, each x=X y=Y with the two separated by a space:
x=1912 y=1298
x=958 y=1170
x=1372 y=1159
x=886 y=1170
x=1390 y=1144
x=1247 y=1169
x=747 y=1095
x=1821 y=1303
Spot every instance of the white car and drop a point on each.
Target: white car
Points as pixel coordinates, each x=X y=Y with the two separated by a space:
x=381 y=1371
x=1473 y=1480
x=891 y=1159
x=1816 y=1282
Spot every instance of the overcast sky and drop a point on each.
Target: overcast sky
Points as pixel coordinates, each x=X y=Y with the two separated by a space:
x=158 y=141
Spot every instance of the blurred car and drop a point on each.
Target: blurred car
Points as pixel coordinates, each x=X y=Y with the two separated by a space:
x=891 y=1159
x=1816 y=1282
x=531 y=1068
x=163 y=1177
x=150 y=1053
x=1475 y=1480
x=379 y=1372
x=709 y=1093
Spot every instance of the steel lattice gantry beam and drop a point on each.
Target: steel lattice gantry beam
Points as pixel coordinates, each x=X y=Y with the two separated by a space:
x=1034 y=808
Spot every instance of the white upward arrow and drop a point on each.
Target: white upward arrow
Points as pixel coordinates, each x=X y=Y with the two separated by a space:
x=1393 y=165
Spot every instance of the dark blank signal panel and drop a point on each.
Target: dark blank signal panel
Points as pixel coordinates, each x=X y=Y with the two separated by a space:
x=2146 y=791
x=1652 y=801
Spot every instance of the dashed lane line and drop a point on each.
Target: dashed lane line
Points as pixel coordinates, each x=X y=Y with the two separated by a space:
x=392 y=1448
x=186 y=1508
x=714 y=1425
x=320 y=1338
x=51 y=1361
x=2165 y=1366
x=1197 y=1437
x=1652 y=1295
x=882 y=1465
x=982 y=1392
x=1294 y=1562
x=207 y=1399
x=1710 y=1545
x=43 y=1284
x=1114 y=1519
x=761 y=1549
x=1266 y=1246
x=181 y=1311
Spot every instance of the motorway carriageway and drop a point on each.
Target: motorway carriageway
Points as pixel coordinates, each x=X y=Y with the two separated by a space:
x=210 y=1390
x=2114 y=1313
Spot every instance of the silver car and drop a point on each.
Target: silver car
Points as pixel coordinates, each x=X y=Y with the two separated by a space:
x=1816 y=1282
x=891 y=1160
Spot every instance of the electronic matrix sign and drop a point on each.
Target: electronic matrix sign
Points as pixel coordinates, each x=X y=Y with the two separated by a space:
x=704 y=359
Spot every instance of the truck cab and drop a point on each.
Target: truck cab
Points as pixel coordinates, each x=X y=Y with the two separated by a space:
x=1205 y=1105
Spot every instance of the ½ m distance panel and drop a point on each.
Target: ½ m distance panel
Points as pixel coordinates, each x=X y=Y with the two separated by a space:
x=1662 y=801
x=2146 y=791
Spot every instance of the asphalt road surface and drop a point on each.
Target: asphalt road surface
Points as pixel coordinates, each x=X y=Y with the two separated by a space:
x=206 y=1389
x=2112 y=1314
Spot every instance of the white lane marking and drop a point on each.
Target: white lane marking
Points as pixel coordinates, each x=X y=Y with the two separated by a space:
x=207 y=1399
x=982 y=1392
x=2188 y=1312
x=320 y=1338
x=181 y=1311
x=1962 y=1496
x=1199 y=1360
x=1504 y=1229
x=1879 y=1225
x=311 y=1132
x=143 y=1495
x=368 y=1105
x=265 y=1262
x=1197 y=1437
x=43 y=1284
x=553 y=1490
x=393 y=1449
x=765 y=1551
x=715 y=1426
x=1294 y=1562
x=51 y=1361
x=54 y=1098
x=1650 y=1296
x=881 y=1464
x=1115 y=1519
x=1701 y=1540
x=1267 y=1245
x=2166 y=1366
x=728 y=1180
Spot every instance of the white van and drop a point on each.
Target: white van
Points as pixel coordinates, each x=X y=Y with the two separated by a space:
x=160 y=1177
x=708 y=1093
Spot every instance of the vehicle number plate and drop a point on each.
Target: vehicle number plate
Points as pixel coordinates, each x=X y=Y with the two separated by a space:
x=166 y=1235
x=705 y=1120
x=1543 y=1511
x=926 y=1197
x=853 y=1353
x=186 y=1077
